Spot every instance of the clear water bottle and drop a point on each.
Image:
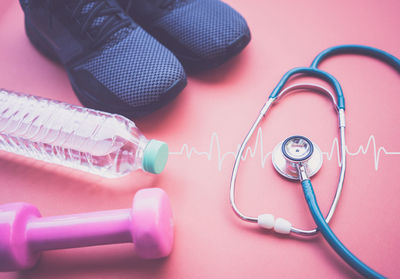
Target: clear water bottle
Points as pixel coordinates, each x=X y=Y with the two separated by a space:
x=106 y=144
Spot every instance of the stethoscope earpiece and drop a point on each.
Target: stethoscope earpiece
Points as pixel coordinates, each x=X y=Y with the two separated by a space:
x=294 y=152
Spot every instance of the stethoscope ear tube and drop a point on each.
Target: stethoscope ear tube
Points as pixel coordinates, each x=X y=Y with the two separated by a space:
x=328 y=234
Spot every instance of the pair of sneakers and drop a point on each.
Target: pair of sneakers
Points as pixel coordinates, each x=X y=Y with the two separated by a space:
x=126 y=56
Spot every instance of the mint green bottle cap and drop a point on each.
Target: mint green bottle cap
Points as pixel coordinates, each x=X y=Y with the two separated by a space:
x=155 y=156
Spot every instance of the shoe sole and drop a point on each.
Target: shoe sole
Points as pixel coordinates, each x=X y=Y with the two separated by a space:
x=87 y=99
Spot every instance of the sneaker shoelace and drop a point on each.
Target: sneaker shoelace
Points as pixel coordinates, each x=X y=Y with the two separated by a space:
x=99 y=21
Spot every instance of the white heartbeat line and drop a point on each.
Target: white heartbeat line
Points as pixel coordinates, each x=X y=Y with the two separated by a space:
x=335 y=149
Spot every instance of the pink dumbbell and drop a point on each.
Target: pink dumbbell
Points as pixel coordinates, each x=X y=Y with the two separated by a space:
x=24 y=233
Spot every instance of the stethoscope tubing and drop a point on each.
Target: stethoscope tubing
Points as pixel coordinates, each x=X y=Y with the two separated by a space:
x=311 y=72
x=357 y=49
x=332 y=239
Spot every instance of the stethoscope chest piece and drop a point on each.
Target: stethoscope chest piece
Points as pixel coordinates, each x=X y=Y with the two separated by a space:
x=289 y=154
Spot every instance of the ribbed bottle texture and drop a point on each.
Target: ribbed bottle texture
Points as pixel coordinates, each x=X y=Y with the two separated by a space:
x=105 y=144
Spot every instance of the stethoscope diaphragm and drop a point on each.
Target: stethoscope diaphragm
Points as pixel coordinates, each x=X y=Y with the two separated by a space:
x=294 y=151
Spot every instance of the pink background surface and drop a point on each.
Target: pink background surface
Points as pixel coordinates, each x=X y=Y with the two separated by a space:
x=210 y=118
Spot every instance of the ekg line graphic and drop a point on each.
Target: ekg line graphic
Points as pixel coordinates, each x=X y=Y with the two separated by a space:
x=215 y=150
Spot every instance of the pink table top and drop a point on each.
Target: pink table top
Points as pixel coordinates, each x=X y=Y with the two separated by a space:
x=203 y=128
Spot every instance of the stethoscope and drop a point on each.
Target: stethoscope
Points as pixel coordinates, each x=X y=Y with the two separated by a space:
x=298 y=158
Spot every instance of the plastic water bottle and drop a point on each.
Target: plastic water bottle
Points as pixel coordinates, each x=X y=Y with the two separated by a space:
x=106 y=144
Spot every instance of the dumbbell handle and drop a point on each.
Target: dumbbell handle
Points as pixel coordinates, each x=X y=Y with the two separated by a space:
x=79 y=230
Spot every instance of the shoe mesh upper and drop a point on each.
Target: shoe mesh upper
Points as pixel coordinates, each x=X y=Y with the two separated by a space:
x=137 y=69
x=206 y=27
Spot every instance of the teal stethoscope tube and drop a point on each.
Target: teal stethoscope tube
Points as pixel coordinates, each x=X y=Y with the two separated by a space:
x=357 y=49
x=352 y=260
x=319 y=219
x=328 y=234
x=311 y=72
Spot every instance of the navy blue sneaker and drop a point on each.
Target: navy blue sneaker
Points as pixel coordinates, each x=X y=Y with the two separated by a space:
x=112 y=63
x=201 y=33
